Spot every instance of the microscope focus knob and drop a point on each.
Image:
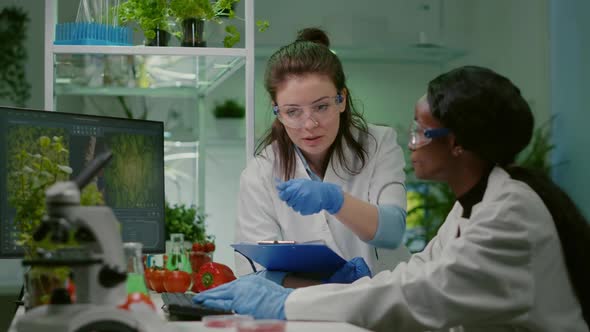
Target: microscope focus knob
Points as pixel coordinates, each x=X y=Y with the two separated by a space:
x=109 y=277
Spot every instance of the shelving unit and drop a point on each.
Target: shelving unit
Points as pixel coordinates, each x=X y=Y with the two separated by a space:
x=233 y=59
x=202 y=70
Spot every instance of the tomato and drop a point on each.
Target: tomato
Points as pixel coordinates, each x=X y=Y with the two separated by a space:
x=197 y=246
x=177 y=281
x=209 y=247
x=157 y=280
x=198 y=258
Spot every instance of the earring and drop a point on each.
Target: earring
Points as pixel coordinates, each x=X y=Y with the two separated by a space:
x=458 y=151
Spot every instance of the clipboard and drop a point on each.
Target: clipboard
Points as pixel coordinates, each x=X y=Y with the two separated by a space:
x=297 y=257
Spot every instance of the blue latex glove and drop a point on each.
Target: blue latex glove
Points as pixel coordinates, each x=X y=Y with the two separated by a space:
x=308 y=197
x=354 y=269
x=248 y=295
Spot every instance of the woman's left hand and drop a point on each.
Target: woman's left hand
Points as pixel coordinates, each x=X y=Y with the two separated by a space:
x=248 y=295
x=308 y=197
x=351 y=271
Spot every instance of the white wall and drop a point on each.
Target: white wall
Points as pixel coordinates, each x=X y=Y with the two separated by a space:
x=510 y=37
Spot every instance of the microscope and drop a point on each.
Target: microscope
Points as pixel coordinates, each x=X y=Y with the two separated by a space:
x=98 y=265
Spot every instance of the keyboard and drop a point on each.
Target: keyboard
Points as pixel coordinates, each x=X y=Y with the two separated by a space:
x=180 y=306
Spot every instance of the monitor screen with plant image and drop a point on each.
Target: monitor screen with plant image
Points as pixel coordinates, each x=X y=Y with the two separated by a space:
x=38 y=148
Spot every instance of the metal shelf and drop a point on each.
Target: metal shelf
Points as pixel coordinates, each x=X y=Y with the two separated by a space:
x=111 y=74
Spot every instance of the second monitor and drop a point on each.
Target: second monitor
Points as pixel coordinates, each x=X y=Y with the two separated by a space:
x=132 y=184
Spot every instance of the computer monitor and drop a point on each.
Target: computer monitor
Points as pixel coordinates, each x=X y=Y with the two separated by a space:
x=132 y=183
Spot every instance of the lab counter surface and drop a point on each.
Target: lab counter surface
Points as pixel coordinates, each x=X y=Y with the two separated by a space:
x=292 y=326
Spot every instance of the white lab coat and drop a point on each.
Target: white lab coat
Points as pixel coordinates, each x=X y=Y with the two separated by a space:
x=505 y=272
x=263 y=216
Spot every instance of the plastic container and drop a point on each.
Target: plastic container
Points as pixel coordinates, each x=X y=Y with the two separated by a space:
x=80 y=33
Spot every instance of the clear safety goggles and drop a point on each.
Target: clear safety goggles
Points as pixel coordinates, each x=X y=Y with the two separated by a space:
x=420 y=136
x=296 y=116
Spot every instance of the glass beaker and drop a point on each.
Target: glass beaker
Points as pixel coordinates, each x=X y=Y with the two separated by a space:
x=138 y=298
x=178 y=275
x=135 y=273
x=177 y=256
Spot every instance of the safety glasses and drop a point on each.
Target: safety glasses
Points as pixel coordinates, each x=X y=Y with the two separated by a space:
x=420 y=136
x=295 y=116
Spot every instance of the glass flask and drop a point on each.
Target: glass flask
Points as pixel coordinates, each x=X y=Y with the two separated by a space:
x=138 y=298
x=177 y=256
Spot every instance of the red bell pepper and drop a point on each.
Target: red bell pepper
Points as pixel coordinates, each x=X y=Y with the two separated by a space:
x=211 y=275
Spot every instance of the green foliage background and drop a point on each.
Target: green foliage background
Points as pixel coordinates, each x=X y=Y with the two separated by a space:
x=130 y=180
x=13 y=56
x=229 y=109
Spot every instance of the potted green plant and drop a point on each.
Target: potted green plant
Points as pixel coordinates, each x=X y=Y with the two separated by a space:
x=36 y=163
x=229 y=118
x=192 y=14
x=229 y=108
x=150 y=15
x=187 y=220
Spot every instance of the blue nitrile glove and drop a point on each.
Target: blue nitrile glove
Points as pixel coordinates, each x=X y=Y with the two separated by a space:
x=248 y=295
x=352 y=270
x=308 y=197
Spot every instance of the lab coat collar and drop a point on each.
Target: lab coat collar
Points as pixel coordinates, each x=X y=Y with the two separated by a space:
x=496 y=180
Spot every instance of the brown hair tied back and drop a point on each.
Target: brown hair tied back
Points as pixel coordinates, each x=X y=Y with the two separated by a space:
x=315 y=35
x=309 y=54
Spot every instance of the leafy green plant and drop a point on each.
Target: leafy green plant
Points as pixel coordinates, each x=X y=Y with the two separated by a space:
x=13 y=56
x=187 y=220
x=212 y=11
x=150 y=15
x=229 y=109
x=430 y=202
x=537 y=153
x=30 y=174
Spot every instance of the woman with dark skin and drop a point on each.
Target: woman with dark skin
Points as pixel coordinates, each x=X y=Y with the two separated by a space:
x=511 y=255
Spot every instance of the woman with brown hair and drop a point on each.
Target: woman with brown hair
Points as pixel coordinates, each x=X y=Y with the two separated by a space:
x=322 y=173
